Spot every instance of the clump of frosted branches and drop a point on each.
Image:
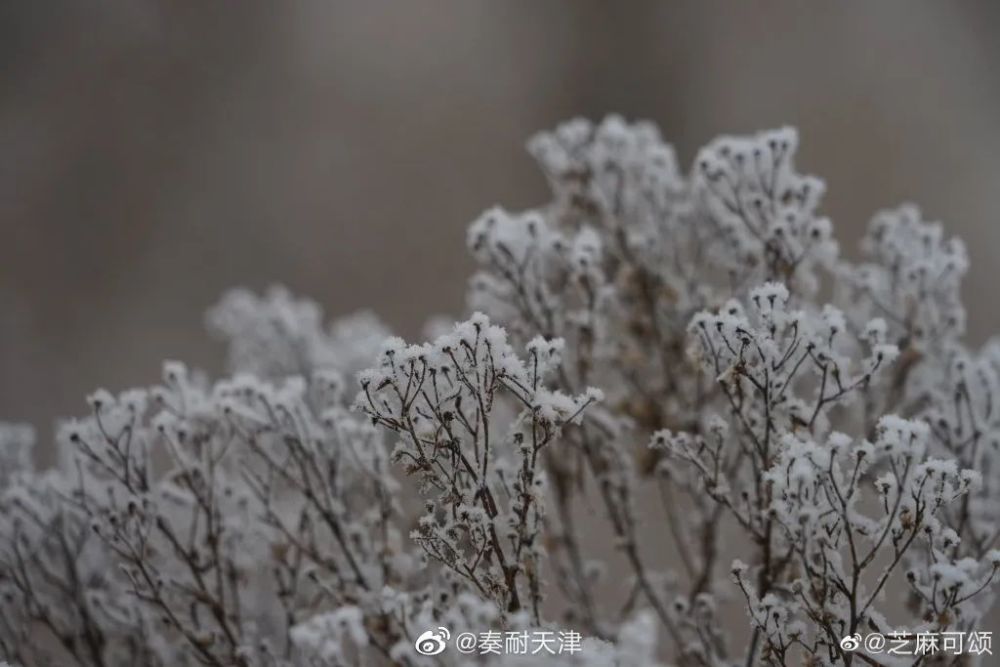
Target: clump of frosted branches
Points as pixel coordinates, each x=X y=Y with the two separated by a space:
x=483 y=513
x=651 y=347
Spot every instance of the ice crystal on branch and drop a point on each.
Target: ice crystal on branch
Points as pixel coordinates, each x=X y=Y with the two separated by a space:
x=762 y=211
x=914 y=279
x=484 y=510
x=678 y=360
x=276 y=335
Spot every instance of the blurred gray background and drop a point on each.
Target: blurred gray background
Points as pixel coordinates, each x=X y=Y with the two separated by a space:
x=156 y=153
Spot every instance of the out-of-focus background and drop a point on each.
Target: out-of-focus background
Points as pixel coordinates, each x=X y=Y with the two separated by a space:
x=153 y=154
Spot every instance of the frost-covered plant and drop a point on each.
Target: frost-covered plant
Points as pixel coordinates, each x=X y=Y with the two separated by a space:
x=484 y=492
x=649 y=333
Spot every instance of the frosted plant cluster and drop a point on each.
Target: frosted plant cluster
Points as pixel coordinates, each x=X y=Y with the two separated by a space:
x=681 y=360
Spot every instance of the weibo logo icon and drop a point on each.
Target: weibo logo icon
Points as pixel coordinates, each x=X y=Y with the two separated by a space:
x=432 y=642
